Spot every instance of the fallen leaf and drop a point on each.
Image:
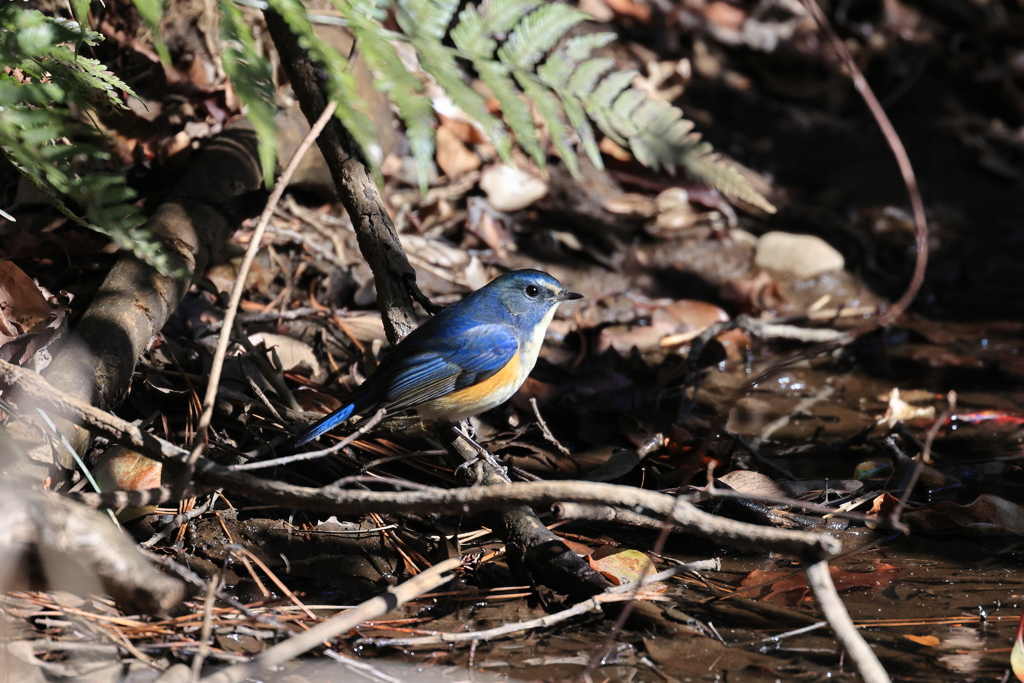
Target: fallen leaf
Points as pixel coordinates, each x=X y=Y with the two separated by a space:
x=1017 y=653
x=725 y=15
x=23 y=308
x=630 y=203
x=759 y=293
x=790 y=589
x=463 y=129
x=511 y=189
x=752 y=484
x=928 y=641
x=614 y=150
x=598 y=9
x=122 y=469
x=901 y=411
x=630 y=8
x=623 y=566
x=294 y=354
x=988 y=514
x=453 y=157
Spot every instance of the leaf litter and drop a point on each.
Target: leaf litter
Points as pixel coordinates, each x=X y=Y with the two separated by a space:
x=659 y=261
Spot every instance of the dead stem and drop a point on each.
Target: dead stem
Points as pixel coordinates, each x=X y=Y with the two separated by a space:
x=239 y=288
x=300 y=643
x=614 y=593
x=819 y=580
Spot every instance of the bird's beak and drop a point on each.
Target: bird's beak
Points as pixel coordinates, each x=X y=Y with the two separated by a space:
x=566 y=295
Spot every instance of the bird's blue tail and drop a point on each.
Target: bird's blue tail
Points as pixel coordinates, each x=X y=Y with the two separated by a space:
x=327 y=424
x=357 y=403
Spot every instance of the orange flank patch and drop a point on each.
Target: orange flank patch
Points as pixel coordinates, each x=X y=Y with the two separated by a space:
x=479 y=397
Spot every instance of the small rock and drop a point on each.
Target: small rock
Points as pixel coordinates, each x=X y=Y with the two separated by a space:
x=511 y=189
x=804 y=256
x=672 y=198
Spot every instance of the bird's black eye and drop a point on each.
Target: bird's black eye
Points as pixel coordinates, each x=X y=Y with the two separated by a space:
x=532 y=291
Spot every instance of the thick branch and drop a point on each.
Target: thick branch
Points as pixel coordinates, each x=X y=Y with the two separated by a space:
x=76 y=543
x=819 y=580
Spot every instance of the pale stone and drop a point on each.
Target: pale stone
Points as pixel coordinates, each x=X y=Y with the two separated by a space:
x=804 y=256
x=511 y=189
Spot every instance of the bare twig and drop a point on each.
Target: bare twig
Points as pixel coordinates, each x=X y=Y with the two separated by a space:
x=906 y=170
x=393 y=277
x=207 y=628
x=313 y=455
x=614 y=593
x=544 y=429
x=423 y=582
x=925 y=457
x=236 y=292
x=820 y=582
x=268 y=371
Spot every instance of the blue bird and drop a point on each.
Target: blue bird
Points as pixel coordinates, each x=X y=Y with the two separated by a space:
x=470 y=357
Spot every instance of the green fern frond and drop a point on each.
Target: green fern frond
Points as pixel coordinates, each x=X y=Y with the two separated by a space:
x=341 y=86
x=709 y=166
x=537 y=33
x=36 y=122
x=472 y=35
x=427 y=18
x=563 y=63
x=471 y=38
x=581 y=124
x=392 y=78
x=587 y=76
x=151 y=12
x=502 y=15
x=550 y=109
x=80 y=10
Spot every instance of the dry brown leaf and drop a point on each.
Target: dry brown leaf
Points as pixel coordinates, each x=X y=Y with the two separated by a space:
x=614 y=150
x=988 y=514
x=23 y=308
x=759 y=293
x=623 y=566
x=927 y=641
x=790 y=589
x=453 y=157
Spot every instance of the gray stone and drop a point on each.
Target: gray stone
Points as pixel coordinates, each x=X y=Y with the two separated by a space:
x=803 y=256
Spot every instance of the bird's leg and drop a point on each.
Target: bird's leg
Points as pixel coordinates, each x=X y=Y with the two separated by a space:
x=483 y=452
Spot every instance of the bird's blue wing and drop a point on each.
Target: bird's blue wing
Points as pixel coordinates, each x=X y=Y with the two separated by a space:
x=441 y=365
x=432 y=366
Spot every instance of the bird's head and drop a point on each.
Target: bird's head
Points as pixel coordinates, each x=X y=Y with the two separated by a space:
x=530 y=294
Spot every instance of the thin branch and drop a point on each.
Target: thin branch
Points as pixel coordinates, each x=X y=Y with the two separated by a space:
x=239 y=288
x=612 y=594
x=819 y=580
x=462 y=500
x=207 y=628
x=906 y=170
x=545 y=431
x=313 y=455
x=424 y=582
x=925 y=457
x=394 y=278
